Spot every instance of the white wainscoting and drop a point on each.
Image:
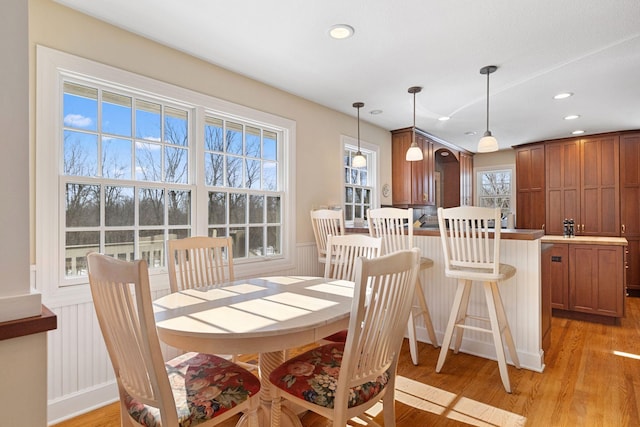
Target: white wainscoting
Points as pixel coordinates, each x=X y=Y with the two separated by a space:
x=80 y=377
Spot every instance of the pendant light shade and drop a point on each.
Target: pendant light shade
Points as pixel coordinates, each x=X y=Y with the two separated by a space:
x=414 y=153
x=359 y=160
x=487 y=143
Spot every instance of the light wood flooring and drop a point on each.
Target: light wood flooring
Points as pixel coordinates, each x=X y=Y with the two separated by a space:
x=592 y=378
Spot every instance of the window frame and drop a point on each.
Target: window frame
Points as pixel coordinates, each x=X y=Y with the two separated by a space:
x=497 y=168
x=372 y=152
x=52 y=67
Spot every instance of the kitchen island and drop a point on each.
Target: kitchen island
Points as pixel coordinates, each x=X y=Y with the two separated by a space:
x=521 y=295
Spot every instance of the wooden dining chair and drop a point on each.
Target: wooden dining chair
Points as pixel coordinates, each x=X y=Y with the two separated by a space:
x=326 y=222
x=395 y=227
x=199 y=261
x=471 y=255
x=343 y=380
x=194 y=388
x=202 y=261
x=344 y=251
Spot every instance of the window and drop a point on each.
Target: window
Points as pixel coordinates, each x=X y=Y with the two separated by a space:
x=138 y=162
x=359 y=183
x=495 y=189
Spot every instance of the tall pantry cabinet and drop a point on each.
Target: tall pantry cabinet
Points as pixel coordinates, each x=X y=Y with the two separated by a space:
x=630 y=206
x=583 y=184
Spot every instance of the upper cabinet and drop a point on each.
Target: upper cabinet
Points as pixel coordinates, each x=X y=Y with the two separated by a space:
x=466 y=179
x=530 y=187
x=583 y=184
x=412 y=182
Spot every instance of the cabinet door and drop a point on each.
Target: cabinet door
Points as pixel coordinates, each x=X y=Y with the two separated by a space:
x=557 y=273
x=630 y=184
x=466 y=179
x=600 y=186
x=530 y=187
x=423 y=192
x=401 y=169
x=596 y=279
x=562 y=173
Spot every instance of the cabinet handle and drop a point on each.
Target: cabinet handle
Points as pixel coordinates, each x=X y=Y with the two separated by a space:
x=424 y=197
x=542 y=226
x=624 y=229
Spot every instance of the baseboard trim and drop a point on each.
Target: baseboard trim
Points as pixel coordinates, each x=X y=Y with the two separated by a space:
x=81 y=402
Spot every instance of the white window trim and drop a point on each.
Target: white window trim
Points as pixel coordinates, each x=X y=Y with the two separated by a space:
x=478 y=182
x=347 y=141
x=52 y=65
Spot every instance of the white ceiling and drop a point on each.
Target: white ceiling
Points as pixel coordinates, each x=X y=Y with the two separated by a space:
x=542 y=47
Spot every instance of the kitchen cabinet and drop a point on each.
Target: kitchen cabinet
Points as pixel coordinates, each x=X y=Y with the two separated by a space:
x=556 y=263
x=466 y=179
x=546 y=272
x=630 y=206
x=412 y=183
x=530 y=186
x=586 y=276
x=596 y=279
x=583 y=184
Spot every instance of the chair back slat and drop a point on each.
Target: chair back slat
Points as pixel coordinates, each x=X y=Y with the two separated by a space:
x=385 y=287
x=326 y=222
x=466 y=237
x=343 y=251
x=123 y=305
x=199 y=261
x=394 y=225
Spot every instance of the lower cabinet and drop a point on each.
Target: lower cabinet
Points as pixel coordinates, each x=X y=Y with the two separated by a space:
x=586 y=278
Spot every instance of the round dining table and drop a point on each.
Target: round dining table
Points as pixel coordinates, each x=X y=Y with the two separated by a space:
x=265 y=315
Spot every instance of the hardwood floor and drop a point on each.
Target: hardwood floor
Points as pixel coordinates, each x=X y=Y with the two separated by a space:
x=592 y=378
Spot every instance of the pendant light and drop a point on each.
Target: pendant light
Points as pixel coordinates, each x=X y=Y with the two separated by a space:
x=487 y=143
x=414 y=153
x=359 y=160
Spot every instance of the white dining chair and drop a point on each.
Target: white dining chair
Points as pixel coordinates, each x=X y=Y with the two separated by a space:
x=471 y=255
x=326 y=222
x=152 y=392
x=343 y=380
x=200 y=261
x=395 y=227
x=344 y=251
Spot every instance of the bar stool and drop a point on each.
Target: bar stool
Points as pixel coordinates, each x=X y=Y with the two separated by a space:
x=395 y=226
x=468 y=257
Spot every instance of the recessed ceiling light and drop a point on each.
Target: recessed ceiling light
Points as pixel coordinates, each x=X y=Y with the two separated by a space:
x=444 y=118
x=341 y=31
x=563 y=95
x=470 y=133
x=444 y=153
x=571 y=117
x=375 y=112
x=577 y=132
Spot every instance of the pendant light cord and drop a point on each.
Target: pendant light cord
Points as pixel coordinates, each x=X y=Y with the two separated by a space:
x=488 y=101
x=414 y=118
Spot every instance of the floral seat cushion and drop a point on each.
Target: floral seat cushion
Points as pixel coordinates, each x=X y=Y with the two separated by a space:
x=313 y=376
x=204 y=386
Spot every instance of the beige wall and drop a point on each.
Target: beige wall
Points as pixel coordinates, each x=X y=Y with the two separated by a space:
x=499 y=158
x=319 y=171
